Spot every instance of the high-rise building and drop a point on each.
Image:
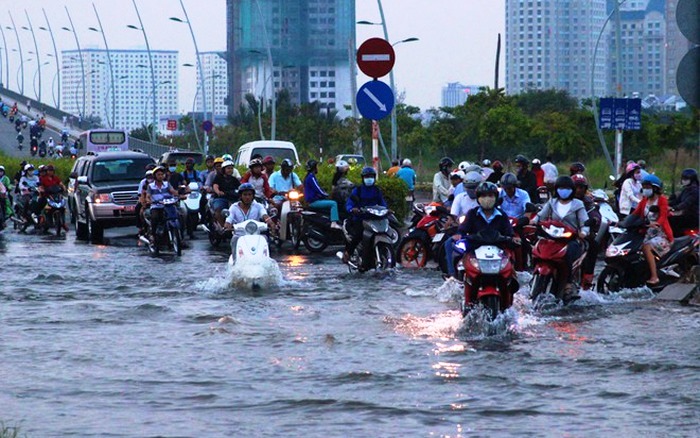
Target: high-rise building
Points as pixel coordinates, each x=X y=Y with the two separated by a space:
x=455 y=94
x=132 y=84
x=215 y=71
x=550 y=44
x=311 y=44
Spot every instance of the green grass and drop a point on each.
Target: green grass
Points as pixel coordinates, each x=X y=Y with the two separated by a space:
x=9 y=431
x=63 y=165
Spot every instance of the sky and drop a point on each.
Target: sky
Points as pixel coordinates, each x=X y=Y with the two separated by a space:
x=457 y=38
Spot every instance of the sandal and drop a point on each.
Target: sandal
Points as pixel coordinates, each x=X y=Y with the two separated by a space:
x=653 y=283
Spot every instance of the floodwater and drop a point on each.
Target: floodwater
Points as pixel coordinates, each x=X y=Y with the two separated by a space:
x=105 y=340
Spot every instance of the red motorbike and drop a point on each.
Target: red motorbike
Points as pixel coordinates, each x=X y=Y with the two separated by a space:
x=549 y=256
x=489 y=276
x=425 y=240
x=528 y=235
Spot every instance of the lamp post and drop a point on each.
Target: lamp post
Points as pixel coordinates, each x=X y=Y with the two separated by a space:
x=19 y=44
x=80 y=54
x=37 y=72
x=111 y=68
x=150 y=61
x=7 y=59
x=263 y=93
x=201 y=73
x=36 y=48
x=57 y=102
x=84 y=78
x=273 y=128
x=20 y=68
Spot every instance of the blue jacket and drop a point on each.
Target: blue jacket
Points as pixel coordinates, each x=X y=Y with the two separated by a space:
x=312 y=189
x=364 y=196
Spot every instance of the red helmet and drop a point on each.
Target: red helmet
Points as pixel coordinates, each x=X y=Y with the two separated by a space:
x=497 y=165
x=579 y=180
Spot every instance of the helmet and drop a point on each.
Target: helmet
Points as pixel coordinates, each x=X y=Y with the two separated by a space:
x=287 y=163
x=473 y=168
x=190 y=160
x=564 y=182
x=149 y=172
x=653 y=180
x=579 y=180
x=228 y=163
x=508 y=179
x=485 y=188
x=227 y=157
x=311 y=165
x=252 y=163
x=209 y=157
x=406 y=162
x=150 y=166
x=268 y=159
x=158 y=169
x=642 y=164
x=463 y=165
x=522 y=159
x=457 y=174
x=497 y=165
x=690 y=174
x=631 y=167
x=446 y=163
x=246 y=187
x=28 y=167
x=341 y=163
x=536 y=162
x=472 y=179
x=2 y=168
x=577 y=167
x=486 y=162
x=367 y=171
x=42 y=168
x=50 y=167
x=218 y=160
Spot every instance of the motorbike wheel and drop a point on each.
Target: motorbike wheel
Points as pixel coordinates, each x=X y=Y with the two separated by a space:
x=314 y=245
x=58 y=222
x=214 y=239
x=192 y=221
x=413 y=253
x=175 y=240
x=386 y=256
x=541 y=284
x=493 y=304
x=295 y=232
x=610 y=280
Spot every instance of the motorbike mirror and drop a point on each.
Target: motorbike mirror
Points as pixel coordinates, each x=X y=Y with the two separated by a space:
x=83 y=179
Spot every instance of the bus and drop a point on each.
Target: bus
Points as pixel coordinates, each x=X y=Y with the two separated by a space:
x=105 y=140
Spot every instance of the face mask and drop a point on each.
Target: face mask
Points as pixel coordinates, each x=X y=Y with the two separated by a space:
x=685 y=182
x=487 y=202
x=638 y=176
x=564 y=193
x=172 y=168
x=368 y=181
x=648 y=193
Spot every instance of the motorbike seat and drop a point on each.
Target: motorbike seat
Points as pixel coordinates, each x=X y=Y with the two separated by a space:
x=679 y=243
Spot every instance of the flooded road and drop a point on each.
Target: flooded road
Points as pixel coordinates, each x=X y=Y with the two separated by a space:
x=104 y=340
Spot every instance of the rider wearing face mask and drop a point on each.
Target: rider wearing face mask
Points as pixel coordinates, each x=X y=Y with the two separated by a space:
x=571 y=211
x=630 y=192
x=684 y=207
x=366 y=194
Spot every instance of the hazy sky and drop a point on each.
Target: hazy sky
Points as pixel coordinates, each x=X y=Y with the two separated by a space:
x=457 y=37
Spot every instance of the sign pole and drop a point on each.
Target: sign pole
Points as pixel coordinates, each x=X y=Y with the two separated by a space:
x=375 y=146
x=618 y=152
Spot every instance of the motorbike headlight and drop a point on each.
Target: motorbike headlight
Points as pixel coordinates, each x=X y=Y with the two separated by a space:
x=251 y=228
x=490 y=266
x=474 y=262
x=293 y=195
x=504 y=263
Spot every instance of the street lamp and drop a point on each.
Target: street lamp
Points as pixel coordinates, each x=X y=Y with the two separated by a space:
x=112 y=86
x=111 y=69
x=19 y=44
x=36 y=48
x=21 y=69
x=201 y=74
x=7 y=59
x=273 y=128
x=80 y=54
x=37 y=72
x=56 y=102
x=150 y=61
x=145 y=107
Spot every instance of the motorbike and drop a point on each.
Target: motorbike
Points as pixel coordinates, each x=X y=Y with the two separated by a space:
x=551 y=266
x=168 y=231
x=34 y=149
x=489 y=276
x=216 y=232
x=191 y=204
x=42 y=149
x=252 y=264
x=290 y=218
x=23 y=217
x=528 y=235
x=424 y=240
x=55 y=211
x=376 y=236
x=608 y=230
x=626 y=267
x=20 y=141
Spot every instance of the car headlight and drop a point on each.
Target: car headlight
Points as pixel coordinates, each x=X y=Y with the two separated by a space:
x=101 y=198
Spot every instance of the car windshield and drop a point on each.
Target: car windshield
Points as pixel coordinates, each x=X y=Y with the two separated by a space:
x=278 y=154
x=129 y=169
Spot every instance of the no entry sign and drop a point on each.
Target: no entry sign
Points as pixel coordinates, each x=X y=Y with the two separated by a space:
x=375 y=57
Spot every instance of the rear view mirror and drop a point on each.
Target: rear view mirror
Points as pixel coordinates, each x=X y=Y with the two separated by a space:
x=83 y=179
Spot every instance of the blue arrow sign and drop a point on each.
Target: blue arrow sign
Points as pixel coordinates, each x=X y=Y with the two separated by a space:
x=375 y=100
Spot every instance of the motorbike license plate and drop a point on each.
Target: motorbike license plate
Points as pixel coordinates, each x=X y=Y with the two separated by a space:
x=438 y=237
x=129 y=208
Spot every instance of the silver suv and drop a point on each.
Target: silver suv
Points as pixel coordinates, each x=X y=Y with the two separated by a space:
x=103 y=191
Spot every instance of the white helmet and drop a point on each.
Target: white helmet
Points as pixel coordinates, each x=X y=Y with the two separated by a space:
x=341 y=163
x=463 y=165
x=227 y=163
x=486 y=162
x=457 y=173
x=406 y=162
x=472 y=179
x=2 y=168
x=473 y=168
x=28 y=167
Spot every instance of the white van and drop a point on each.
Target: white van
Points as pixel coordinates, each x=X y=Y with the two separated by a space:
x=279 y=150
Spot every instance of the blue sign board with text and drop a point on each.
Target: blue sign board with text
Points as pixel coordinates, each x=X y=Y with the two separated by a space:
x=375 y=100
x=625 y=114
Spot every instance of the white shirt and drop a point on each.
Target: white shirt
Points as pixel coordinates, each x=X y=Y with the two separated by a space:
x=462 y=204
x=550 y=172
x=441 y=187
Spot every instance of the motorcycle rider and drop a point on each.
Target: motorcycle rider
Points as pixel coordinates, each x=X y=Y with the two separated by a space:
x=341 y=185
x=538 y=171
x=527 y=179
x=224 y=188
x=658 y=239
x=52 y=146
x=630 y=189
x=550 y=173
x=20 y=140
x=497 y=173
x=46 y=182
x=366 y=194
x=28 y=185
x=209 y=183
x=486 y=169
x=284 y=180
x=565 y=208
x=456 y=179
x=6 y=202
x=408 y=175
x=236 y=173
x=441 y=180
x=268 y=165
x=514 y=200
x=258 y=178
x=209 y=163
x=576 y=168
x=317 y=197
x=155 y=192
x=148 y=178
x=684 y=207
x=245 y=209
x=190 y=174
x=172 y=176
x=466 y=200
x=588 y=265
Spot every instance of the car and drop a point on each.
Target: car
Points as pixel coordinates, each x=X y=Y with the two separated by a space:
x=103 y=191
x=279 y=150
x=180 y=157
x=351 y=159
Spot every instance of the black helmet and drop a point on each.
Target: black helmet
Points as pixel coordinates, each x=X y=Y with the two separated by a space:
x=485 y=188
x=508 y=179
x=564 y=182
x=577 y=167
x=209 y=157
x=311 y=165
x=287 y=163
x=446 y=163
x=522 y=159
x=690 y=174
x=367 y=171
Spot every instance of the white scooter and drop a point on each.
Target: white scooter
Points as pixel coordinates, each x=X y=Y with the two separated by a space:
x=609 y=230
x=252 y=267
x=191 y=206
